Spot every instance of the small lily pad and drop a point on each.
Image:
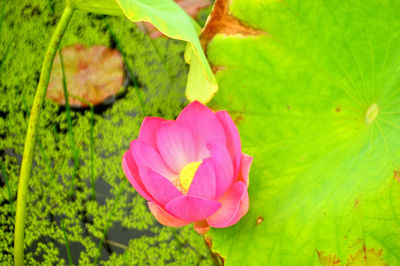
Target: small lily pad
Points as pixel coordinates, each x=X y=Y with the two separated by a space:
x=92 y=73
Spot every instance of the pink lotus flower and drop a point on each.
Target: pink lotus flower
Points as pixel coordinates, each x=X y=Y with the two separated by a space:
x=190 y=170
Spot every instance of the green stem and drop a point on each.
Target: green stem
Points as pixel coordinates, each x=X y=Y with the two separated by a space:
x=70 y=132
x=27 y=158
x=110 y=214
x=43 y=153
x=92 y=152
x=66 y=243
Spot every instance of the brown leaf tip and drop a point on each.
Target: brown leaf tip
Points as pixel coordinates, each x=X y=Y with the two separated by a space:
x=215 y=69
x=221 y=21
x=327 y=260
x=396 y=175
x=366 y=256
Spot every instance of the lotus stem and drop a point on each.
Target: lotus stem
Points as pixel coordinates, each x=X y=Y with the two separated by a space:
x=67 y=243
x=27 y=158
x=75 y=152
x=108 y=222
x=43 y=153
x=92 y=180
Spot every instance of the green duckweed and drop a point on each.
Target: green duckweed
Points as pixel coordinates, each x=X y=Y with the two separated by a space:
x=157 y=73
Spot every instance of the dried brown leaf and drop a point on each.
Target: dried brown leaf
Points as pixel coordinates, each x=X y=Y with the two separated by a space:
x=93 y=73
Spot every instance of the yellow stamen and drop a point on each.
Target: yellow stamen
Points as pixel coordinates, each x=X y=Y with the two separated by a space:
x=187 y=174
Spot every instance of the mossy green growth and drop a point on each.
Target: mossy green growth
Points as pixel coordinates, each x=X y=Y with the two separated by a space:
x=134 y=236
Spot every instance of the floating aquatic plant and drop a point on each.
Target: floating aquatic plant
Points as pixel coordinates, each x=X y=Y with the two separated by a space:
x=93 y=73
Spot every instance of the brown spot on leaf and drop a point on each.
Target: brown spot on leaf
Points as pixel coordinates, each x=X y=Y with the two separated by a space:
x=94 y=74
x=337 y=109
x=215 y=69
x=238 y=119
x=356 y=203
x=396 y=175
x=327 y=260
x=237 y=116
x=366 y=256
x=221 y=21
x=259 y=220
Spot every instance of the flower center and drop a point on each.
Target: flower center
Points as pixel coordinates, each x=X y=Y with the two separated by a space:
x=187 y=173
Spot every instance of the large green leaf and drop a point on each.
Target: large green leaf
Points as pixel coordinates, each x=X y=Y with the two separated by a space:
x=315 y=89
x=171 y=20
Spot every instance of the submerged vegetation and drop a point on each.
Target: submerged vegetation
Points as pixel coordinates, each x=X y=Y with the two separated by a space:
x=114 y=226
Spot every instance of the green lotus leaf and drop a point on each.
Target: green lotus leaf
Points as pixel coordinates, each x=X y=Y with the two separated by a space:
x=314 y=87
x=172 y=21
